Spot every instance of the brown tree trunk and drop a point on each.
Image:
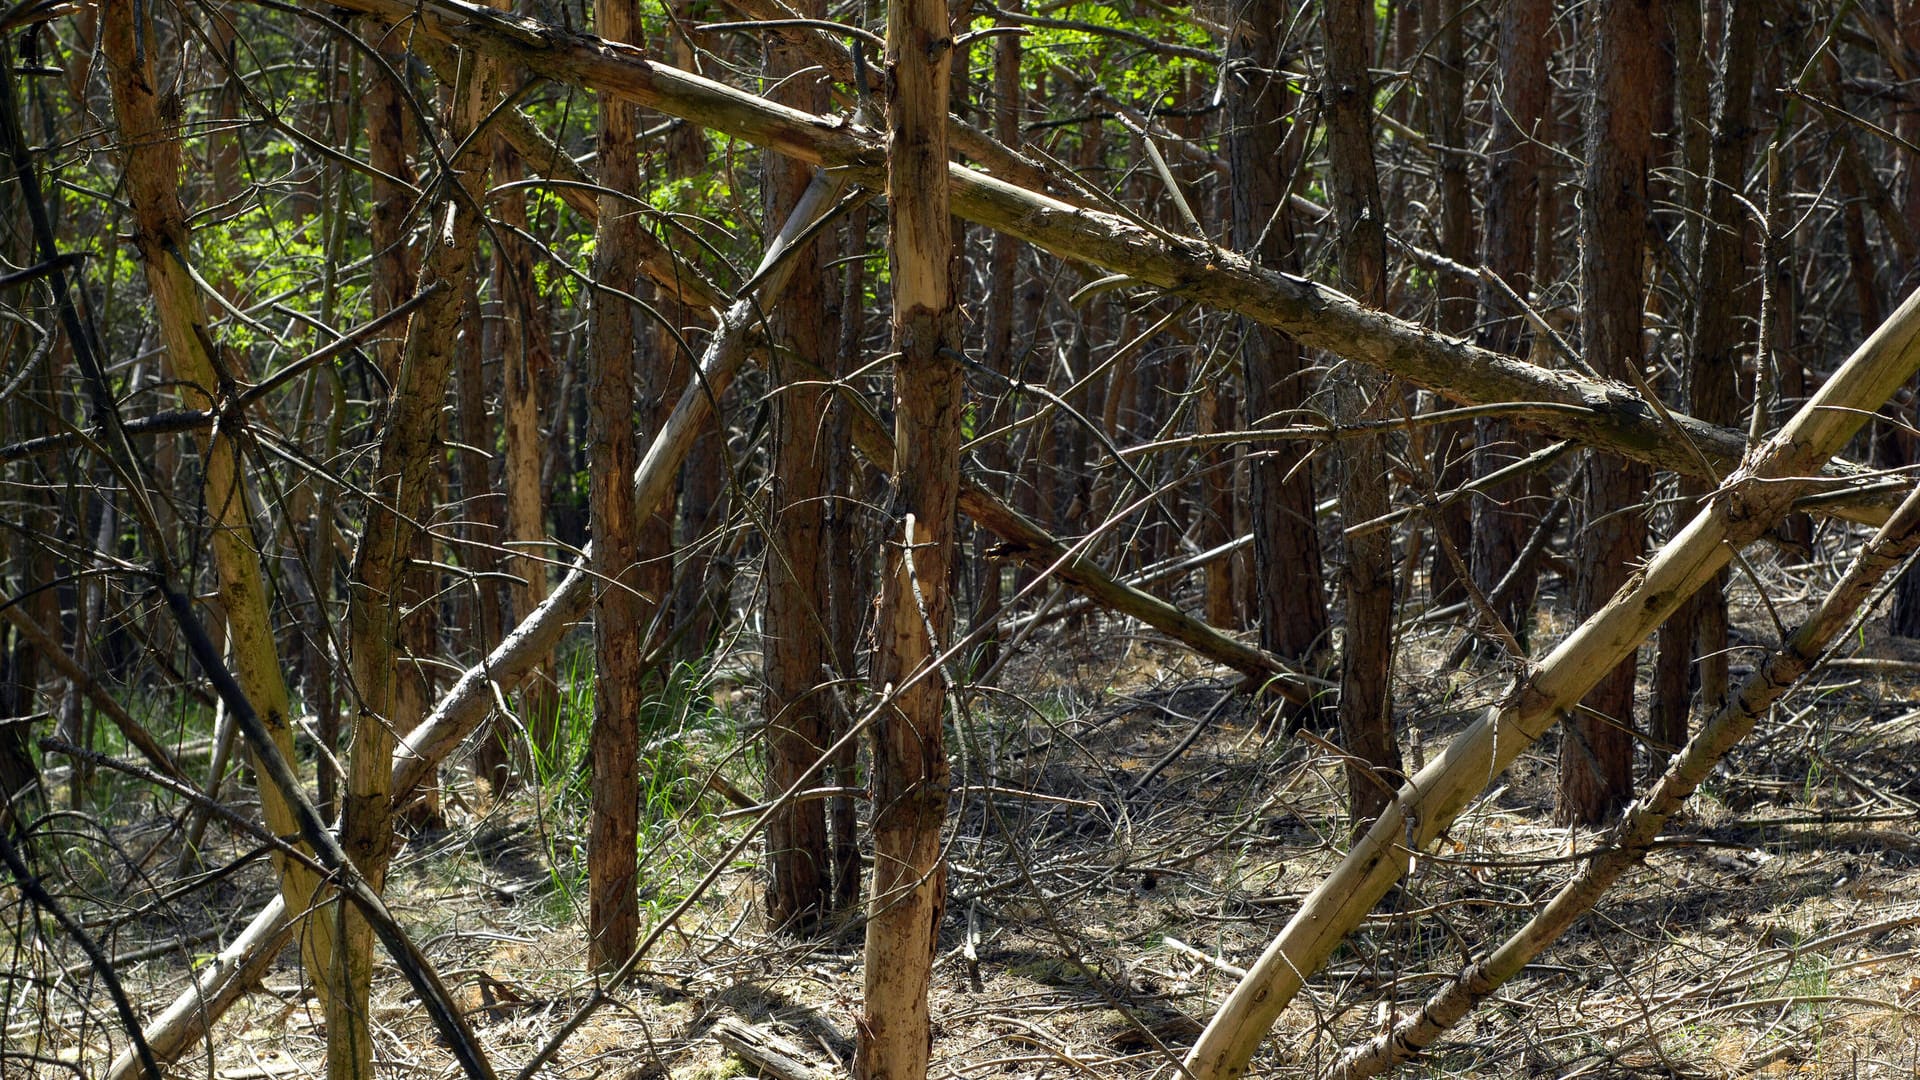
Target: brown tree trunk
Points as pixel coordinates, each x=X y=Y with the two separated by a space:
x=850 y=589
x=1366 y=658
x=798 y=705
x=909 y=753
x=1503 y=516
x=1450 y=445
x=1292 y=606
x=620 y=611
x=1596 y=756
x=1699 y=629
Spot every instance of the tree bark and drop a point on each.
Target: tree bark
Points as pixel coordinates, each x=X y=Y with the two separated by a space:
x=1503 y=517
x=207 y=374
x=1366 y=656
x=909 y=782
x=1596 y=757
x=798 y=705
x=1261 y=156
x=1699 y=630
x=620 y=612
x=1752 y=500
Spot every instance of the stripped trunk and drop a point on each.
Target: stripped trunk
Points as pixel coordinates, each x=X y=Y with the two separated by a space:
x=909 y=753
x=152 y=175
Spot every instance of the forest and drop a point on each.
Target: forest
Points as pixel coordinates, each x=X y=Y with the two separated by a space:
x=959 y=538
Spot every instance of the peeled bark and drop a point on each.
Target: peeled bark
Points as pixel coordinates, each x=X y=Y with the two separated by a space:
x=1753 y=500
x=152 y=176
x=909 y=782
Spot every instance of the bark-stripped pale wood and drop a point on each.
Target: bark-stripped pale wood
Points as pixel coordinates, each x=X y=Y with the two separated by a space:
x=1752 y=500
x=206 y=378
x=909 y=777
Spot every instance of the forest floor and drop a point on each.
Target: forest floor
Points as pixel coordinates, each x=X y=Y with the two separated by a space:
x=1092 y=928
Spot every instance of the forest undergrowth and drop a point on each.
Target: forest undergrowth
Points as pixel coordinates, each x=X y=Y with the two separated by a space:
x=1126 y=835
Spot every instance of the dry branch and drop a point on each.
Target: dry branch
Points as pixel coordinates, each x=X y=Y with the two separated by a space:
x=1627 y=844
x=1755 y=497
x=1612 y=416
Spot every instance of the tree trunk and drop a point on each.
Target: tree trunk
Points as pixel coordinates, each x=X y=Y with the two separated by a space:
x=1450 y=446
x=1596 y=757
x=1366 y=658
x=1292 y=606
x=152 y=175
x=909 y=752
x=619 y=617
x=1699 y=629
x=526 y=366
x=1503 y=516
x=798 y=705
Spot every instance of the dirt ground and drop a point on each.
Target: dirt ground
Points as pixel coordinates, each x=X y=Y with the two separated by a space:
x=1095 y=922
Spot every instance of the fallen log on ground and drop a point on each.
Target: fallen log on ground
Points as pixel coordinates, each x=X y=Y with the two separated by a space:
x=1627 y=844
x=1750 y=501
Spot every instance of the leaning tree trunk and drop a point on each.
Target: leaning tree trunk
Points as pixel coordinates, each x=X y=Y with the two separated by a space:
x=909 y=753
x=1628 y=844
x=619 y=614
x=1596 y=757
x=1366 y=655
x=799 y=706
x=1745 y=507
x=152 y=176
x=1292 y=606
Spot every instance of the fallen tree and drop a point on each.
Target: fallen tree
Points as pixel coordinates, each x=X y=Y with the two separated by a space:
x=1607 y=415
x=1627 y=844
